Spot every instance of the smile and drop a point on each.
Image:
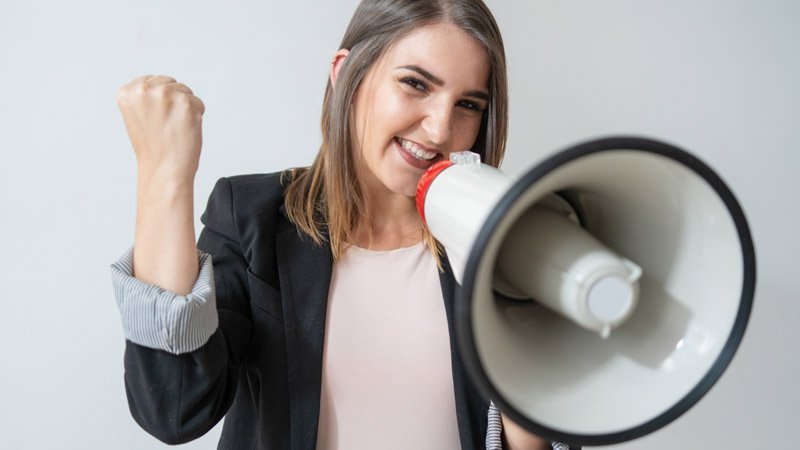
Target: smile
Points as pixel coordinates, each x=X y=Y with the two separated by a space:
x=415 y=150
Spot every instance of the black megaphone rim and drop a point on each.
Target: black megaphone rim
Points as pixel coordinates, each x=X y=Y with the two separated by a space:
x=463 y=307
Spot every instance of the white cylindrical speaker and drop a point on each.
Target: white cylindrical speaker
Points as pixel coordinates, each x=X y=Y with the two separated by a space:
x=602 y=293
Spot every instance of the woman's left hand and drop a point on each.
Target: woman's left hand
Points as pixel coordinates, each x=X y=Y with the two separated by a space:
x=517 y=438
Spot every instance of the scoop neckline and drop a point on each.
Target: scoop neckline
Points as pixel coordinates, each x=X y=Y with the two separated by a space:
x=384 y=252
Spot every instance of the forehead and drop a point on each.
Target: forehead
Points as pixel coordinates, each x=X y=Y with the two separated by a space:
x=446 y=51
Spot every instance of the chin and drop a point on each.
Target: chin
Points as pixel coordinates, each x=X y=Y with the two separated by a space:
x=405 y=186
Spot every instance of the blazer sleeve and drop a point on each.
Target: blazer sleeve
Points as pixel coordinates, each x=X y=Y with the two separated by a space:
x=178 y=396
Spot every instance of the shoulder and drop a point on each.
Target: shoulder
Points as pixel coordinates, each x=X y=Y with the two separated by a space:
x=255 y=188
x=245 y=201
x=249 y=193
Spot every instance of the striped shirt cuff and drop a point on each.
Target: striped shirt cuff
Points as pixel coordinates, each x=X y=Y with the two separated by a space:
x=156 y=318
x=494 y=432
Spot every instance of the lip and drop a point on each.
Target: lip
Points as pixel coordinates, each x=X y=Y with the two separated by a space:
x=412 y=161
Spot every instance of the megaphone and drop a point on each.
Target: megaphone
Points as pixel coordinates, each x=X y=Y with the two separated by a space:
x=603 y=292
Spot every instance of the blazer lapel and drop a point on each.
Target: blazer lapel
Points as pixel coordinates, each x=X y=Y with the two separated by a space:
x=471 y=409
x=304 y=271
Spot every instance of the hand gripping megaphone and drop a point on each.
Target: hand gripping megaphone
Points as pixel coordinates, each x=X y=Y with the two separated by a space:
x=602 y=293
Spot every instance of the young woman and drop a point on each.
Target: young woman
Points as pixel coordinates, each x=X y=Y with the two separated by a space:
x=320 y=313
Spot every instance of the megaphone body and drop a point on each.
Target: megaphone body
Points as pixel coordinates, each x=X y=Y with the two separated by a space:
x=603 y=292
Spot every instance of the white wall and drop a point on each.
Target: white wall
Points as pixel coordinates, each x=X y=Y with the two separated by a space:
x=718 y=78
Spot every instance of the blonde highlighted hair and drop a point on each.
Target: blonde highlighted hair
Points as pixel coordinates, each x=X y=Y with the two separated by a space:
x=324 y=200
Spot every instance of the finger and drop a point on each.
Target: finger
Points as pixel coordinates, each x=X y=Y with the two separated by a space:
x=183 y=88
x=197 y=104
x=162 y=79
x=158 y=80
x=140 y=78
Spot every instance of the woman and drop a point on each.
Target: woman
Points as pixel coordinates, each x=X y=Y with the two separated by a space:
x=320 y=313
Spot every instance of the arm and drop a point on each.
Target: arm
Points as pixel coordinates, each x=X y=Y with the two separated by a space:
x=517 y=438
x=182 y=356
x=163 y=119
x=503 y=433
x=183 y=353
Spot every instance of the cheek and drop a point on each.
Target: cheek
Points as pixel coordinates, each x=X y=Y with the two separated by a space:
x=467 y=132
x=379 y=122
x=393 y=110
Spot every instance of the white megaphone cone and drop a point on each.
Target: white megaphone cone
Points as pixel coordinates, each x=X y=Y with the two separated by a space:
x=546 y=255
x=603 y=292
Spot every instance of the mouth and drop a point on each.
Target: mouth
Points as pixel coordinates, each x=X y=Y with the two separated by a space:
x=418 y=152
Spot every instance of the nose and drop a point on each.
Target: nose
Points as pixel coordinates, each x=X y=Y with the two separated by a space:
x=437 y=123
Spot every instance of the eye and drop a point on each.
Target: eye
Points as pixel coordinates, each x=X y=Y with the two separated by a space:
x=470 y=105
x=415 y=83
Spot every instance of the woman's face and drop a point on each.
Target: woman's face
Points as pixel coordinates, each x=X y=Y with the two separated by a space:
x=423 y=99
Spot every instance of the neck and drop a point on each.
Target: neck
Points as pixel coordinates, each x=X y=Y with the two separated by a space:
x=391 y=221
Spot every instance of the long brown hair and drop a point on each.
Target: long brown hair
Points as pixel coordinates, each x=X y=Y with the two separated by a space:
x=324 y=200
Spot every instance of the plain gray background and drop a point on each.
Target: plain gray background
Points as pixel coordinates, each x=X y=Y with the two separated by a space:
x=719 y=78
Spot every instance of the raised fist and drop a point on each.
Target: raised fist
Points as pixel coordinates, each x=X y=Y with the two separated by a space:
x=164 y=122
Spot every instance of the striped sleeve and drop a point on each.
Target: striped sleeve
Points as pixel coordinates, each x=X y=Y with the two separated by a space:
x=157 y=318
x=494 y=432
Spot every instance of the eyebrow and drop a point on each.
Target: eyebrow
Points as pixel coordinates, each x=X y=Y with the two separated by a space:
x=439 y=82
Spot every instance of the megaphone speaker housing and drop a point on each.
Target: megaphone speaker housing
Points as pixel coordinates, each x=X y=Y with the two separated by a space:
x=652 y=203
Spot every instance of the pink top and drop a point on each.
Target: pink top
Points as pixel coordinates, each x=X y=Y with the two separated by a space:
x=387 y=382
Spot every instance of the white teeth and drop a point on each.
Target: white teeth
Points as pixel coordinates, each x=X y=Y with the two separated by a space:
x=415 y=150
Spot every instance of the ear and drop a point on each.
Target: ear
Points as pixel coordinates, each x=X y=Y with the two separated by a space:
x=338 y=60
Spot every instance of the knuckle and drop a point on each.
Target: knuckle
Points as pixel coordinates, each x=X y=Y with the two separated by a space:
x=160 y=91
x=140 y=89
x=183 y=102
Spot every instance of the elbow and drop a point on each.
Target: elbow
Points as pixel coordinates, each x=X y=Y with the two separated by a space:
x=167 y=425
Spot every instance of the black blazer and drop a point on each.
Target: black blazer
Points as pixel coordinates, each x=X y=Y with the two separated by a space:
x=262 y=367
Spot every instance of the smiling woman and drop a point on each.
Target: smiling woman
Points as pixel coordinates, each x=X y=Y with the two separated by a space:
x=404 y=53
x=407 y=117
x=316 y=310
